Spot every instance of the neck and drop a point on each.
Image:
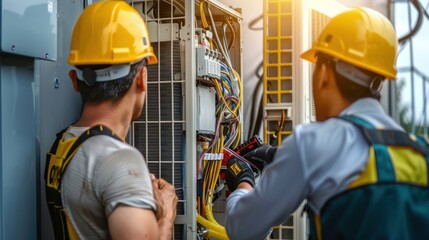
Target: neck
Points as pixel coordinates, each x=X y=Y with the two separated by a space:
x=336 y=109
x=116 y=116
x=335 y=104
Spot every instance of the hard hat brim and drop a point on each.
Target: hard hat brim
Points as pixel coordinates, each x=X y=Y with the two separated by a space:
x=310 y=55
x=152 y=60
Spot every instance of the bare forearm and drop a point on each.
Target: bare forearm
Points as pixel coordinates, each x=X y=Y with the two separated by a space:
x=165 y=229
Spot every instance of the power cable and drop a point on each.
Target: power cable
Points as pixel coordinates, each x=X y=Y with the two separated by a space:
x=425 y=9
x=253 y=22
x=418 y=24
x=253 y=125
x=423 y=114
x=410 y=34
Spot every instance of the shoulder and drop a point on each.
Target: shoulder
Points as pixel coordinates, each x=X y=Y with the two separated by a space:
x=328 y=147
x=325 y=136
x=318 y=147
x=106 y=146
x=105 y=156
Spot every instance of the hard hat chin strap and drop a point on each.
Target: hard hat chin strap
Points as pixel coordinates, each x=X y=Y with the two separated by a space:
x=357 y=76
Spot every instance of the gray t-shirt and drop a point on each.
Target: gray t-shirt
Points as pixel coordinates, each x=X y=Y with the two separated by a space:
x=103 y=174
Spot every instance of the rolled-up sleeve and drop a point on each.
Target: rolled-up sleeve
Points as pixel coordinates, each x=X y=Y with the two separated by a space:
x=123 y=179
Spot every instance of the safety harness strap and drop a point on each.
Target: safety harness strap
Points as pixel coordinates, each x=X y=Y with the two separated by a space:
x=53 y=150
x=385 y=137
x=53 y=191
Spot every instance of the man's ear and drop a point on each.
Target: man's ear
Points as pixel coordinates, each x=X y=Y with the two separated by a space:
x=73 y=78
x=326 y=71
x=141 y=79
x=320 y=76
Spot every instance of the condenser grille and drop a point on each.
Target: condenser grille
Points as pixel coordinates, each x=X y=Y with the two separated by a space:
x=318 y=23
x=159 y=132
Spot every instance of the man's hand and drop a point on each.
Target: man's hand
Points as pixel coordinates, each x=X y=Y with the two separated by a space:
x=237 y=172
x=261 y=156
x=165 y=195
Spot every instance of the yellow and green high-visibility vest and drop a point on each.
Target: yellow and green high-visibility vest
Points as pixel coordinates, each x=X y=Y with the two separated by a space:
x=389 y=199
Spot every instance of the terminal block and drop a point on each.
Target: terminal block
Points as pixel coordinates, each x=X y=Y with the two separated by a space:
x=208 y=62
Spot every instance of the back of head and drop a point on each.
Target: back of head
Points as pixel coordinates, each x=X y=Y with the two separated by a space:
x=109 y=43
x=363 y=45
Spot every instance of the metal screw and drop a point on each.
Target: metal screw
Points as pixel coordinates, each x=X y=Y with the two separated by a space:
x=13 y=47
x=56 y=83
x=46 y=55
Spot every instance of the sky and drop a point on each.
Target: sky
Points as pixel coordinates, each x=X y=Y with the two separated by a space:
x=420 y=45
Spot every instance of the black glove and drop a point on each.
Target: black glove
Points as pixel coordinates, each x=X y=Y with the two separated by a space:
x=261 y=156
x=238 y=171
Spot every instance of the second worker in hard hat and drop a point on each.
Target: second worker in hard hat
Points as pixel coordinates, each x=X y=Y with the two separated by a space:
x=363 y=177
x=97 y=185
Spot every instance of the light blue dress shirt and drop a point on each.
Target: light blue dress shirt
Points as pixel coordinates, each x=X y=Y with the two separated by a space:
x=318 y=161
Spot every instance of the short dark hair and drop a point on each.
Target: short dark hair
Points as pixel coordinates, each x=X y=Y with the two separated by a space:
x=349 y=89
x=109 y=90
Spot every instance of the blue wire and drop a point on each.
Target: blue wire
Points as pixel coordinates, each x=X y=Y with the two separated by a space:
x=226 y=68
x=225 y=78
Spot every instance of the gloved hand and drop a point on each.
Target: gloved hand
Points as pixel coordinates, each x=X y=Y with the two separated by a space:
x=238 y=171
x=261 y=156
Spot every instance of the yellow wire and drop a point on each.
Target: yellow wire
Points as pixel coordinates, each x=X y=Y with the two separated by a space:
x=224 y=101
x=233 y=35
x=240 y=97
x=203 y=15
x=226 y=86
x=217 y=230
x=209 y=213
x=212 y=167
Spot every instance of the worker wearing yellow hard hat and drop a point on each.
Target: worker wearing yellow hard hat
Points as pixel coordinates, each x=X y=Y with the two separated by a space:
x=362 y=175
x=97 y=185
x=361 y=37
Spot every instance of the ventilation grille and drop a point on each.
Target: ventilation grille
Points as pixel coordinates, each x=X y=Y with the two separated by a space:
x=318 y=22
x=278 y=83
x=159 y=132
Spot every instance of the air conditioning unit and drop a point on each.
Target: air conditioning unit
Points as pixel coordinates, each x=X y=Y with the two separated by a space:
x=290 y=28
x=185 y=93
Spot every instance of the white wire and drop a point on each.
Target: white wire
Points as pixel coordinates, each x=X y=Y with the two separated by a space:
x=228 y=61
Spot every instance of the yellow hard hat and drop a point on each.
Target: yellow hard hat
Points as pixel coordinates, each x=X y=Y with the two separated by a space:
x=362 y=37
x=110 y=32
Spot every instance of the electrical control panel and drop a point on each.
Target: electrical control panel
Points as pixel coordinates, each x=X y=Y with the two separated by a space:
x=194 y=96
x=29 y=28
